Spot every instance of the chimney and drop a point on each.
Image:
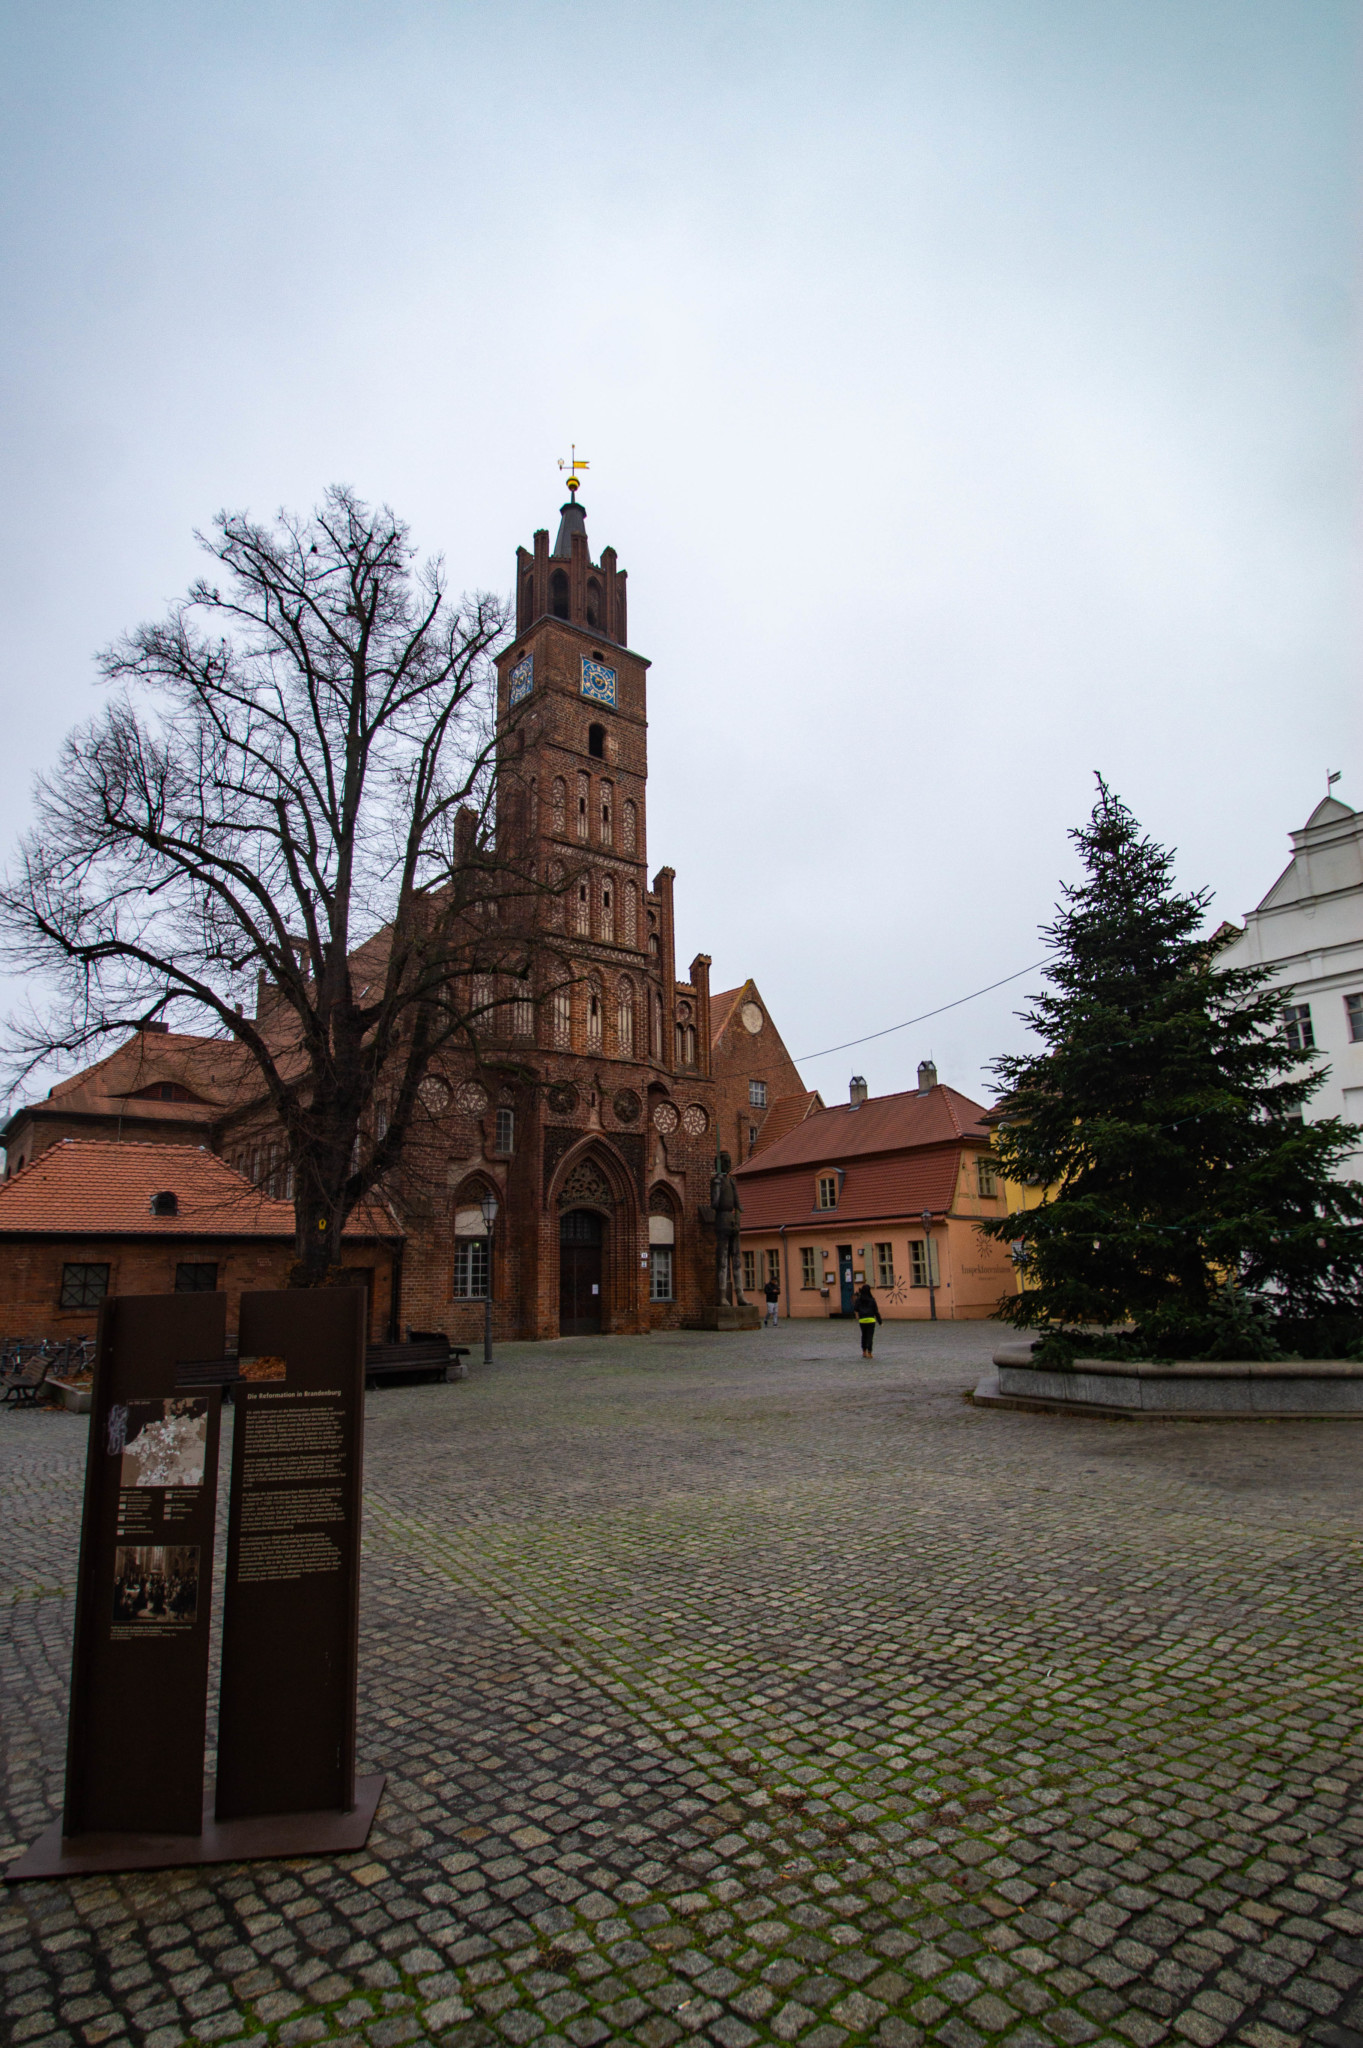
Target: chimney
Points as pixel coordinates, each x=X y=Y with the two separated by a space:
x=154 y=1026
x=927 y=1077
x=856 y=1091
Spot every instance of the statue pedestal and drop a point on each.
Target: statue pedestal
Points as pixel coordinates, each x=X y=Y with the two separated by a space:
x=729 y=1316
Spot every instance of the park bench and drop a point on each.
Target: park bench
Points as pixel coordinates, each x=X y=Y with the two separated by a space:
x=425 y=1355
x=25 y=1383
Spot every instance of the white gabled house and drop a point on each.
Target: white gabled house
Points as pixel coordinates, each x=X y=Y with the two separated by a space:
x=1309 y=929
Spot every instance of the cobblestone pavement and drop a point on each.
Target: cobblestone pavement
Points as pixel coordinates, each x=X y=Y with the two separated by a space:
x=731 y=1691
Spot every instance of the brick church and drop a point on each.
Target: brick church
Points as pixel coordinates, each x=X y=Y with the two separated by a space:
x=594 y=1115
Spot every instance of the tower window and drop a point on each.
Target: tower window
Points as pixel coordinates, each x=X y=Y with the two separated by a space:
x=593 y=602
x=558 y=594
x=596 y=741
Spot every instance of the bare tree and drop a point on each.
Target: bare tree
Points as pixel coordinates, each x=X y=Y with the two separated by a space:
x=293 y=789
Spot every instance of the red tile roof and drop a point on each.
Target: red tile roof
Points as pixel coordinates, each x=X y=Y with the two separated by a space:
x=883 y=1123
x=722 y=1009
x=785 y=1113
x=872 y=1189
x=104 y=1189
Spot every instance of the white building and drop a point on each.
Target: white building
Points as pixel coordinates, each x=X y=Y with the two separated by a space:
x=1309 y=929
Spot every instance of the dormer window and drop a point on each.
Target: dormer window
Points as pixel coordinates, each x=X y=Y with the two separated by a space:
x=827 y=1191
x=166 y=1203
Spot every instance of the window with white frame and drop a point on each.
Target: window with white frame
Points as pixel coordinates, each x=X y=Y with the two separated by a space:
x=757 y=1094
x=1353 y=1012
x=828 y=1191
x=660 y=1272
x=470 y=1268
x=506 y=1130
x=749 y=1272
x=986 y=1178
x=773 y=1258
x=809 y=1266
x=1297 y=1027
x=884 y=1265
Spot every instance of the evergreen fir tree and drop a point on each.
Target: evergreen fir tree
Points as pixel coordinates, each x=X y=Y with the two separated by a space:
x=1163 y=1116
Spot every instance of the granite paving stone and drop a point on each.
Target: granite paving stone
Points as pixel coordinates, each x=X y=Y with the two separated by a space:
x=731 y=1690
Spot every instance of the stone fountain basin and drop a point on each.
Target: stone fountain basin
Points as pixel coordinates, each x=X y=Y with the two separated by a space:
x=1229 y=1387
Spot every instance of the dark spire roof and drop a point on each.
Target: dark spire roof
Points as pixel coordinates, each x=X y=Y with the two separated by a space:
x=573 y=520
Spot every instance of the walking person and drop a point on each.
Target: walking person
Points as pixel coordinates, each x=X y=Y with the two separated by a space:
x=867 y=1315
x=772 y=1290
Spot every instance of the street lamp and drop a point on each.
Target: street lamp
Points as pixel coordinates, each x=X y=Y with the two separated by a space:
x=489 y=1208
x=927 y=1260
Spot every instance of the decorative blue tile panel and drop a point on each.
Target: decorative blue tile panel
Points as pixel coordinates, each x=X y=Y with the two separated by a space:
x=598 y=681
x=522 y=679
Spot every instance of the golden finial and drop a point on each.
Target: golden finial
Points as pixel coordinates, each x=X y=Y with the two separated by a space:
x=576 y=463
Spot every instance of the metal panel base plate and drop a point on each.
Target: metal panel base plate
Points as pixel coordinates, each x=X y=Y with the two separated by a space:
x=222 y=1841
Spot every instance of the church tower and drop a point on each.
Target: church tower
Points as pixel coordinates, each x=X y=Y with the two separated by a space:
x=607 y=1063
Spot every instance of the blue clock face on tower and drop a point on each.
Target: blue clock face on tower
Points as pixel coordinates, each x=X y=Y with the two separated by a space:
x=521 y=679
x=598 y=681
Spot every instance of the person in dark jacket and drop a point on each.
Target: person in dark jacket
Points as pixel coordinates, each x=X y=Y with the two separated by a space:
x=773 y=1295
x=867 y=1315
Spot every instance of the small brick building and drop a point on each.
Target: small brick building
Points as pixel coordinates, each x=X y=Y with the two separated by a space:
x=595 y=1111
x=95 y=1217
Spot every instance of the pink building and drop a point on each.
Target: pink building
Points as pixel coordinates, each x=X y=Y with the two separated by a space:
x=889 y=1191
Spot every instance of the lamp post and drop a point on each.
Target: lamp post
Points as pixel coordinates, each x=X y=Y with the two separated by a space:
x=489 y=1208
x=927 y=1260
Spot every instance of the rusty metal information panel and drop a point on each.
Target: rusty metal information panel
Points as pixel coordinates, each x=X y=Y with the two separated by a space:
x=139 y=1679
x=286 y=1730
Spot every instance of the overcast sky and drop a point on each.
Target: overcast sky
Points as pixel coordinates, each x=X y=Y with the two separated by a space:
x=970 y=390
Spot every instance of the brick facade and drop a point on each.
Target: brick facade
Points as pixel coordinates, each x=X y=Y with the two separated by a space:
x=592 y=1113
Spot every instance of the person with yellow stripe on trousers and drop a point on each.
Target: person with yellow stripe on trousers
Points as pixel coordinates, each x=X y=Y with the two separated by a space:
x=867 y=1315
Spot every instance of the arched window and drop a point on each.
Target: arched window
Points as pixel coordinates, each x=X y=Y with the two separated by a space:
x=629 y=825
x=560 y=802
x=656 y=1028
x=584 y=798
x=624 y=1018
x=629 y=936
x=556 y=899
x=470 y=1278
x=595 y=1007
x=593 y=602
x=596 y=741
x=528 y=599
x=608 y=910
x=584 y=909
x=607 y=813
x=558 y=593
x=562 y=1019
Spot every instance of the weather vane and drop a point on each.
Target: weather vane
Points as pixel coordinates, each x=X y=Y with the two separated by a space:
x=578 y=462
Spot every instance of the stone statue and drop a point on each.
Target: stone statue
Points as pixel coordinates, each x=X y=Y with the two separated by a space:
x=728 y=1212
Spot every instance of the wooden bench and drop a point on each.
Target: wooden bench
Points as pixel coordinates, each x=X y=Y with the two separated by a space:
x=424 y=1356
x=25 y=1385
